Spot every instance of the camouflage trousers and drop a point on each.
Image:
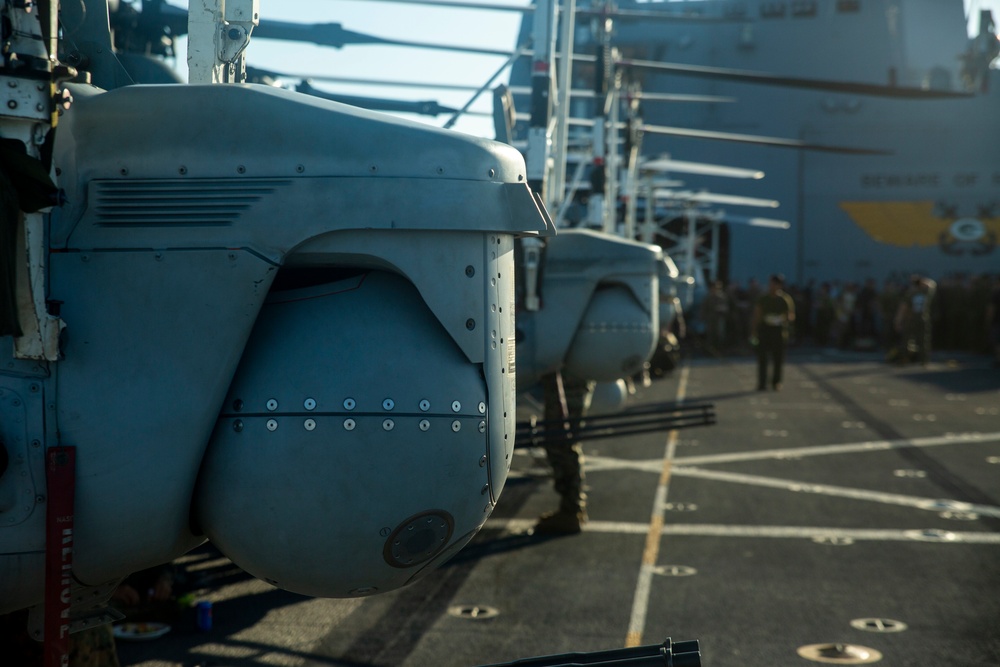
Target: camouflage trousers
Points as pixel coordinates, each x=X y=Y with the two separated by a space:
x=917 y=338
x=563 y=453
x=93 y=647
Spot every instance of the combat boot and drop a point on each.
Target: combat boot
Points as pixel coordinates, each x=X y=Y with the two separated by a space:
x=561 y=522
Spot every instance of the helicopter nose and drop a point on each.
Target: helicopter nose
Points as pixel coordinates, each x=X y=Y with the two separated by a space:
x=354 y=449
x=614 y=320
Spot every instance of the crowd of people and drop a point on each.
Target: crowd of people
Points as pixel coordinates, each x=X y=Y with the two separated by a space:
x=961 y=313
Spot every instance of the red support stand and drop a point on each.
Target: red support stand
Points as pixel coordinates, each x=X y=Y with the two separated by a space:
x=60 y=481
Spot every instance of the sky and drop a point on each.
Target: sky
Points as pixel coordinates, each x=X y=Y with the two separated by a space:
x=480 y=28
x=437 y=25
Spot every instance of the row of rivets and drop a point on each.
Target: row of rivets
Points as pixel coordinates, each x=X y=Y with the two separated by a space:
x=272 y=404
x=350 y=425
x=350 y=404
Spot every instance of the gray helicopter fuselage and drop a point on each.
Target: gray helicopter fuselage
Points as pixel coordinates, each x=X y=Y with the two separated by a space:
x=599 y=314
x=289 y=329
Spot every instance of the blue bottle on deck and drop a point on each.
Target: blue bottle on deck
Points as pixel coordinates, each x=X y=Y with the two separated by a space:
x=204 y=618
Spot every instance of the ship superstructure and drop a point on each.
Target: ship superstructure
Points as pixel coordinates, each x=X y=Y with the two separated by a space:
x=930 y=203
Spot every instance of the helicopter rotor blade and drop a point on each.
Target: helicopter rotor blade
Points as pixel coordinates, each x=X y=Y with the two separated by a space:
x=334 y=34
x=175 y=18
x=323 y=34
x=647 y=96
x=714 y=198
x=758 y=140
x=259 y=72
x=736 y=138
x=422 y=107
x=456 y=4
x=792 y=82
x=667 y=183
x=668 y=17
x=619 y=14
x=748 y=221
x=769 y=223
x=640 y=95
x=703 y=168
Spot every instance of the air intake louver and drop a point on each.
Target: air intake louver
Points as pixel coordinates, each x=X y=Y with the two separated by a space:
x=177 y=203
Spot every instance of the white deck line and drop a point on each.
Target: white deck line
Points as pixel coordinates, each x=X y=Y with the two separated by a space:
x=776 y=532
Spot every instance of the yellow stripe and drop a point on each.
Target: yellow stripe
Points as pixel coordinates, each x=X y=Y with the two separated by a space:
x=652 y=549
x=655 y=533
x=668 y=465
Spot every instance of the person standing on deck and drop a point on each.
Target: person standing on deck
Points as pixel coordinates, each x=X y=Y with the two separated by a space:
x=567 y=400
x=773 y=315
x=913 y=319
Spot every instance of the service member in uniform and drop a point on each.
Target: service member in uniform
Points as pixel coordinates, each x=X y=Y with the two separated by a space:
x=913 y=319
x=567 y=400
x=773 y=314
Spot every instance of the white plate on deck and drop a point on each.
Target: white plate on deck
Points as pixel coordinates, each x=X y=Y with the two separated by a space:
x=140 y=631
